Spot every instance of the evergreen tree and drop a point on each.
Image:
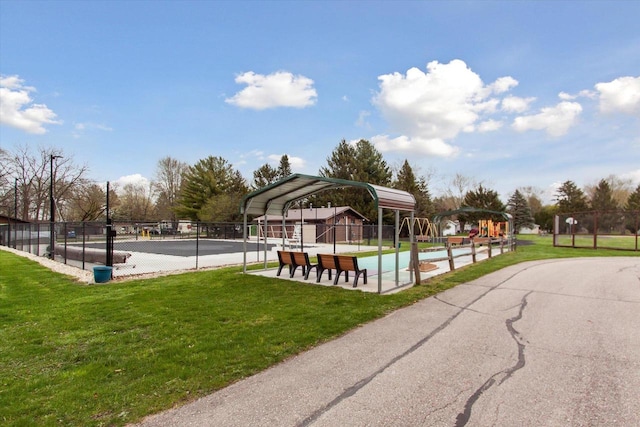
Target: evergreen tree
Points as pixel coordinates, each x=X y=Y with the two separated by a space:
x=406 y=180
x=264 y=176
x=603 y=198
x=481 y=198
x=210 y=178
x=284 y=169
x=569 y=198
x=360 y=162
x=545 y=216
x=518 y=207
x=633 y=210
x=633 y=202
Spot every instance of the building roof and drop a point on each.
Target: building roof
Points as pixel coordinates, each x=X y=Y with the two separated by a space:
x=312 y=214
x=4 y=219
x=275 y=199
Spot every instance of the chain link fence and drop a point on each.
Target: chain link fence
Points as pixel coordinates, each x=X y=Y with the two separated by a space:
x=597 y=230
x=143 y=247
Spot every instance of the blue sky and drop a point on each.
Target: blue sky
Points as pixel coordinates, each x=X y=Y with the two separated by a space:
x=510 y=94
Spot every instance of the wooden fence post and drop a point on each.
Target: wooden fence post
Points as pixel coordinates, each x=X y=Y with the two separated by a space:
x=415 y=262
x=473 y=251
x=450 y=255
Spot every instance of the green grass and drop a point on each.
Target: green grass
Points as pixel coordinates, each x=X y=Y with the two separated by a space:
x=72 y=354
x=603 y=241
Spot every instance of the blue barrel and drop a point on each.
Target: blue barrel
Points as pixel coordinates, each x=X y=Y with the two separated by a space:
x=102 y=273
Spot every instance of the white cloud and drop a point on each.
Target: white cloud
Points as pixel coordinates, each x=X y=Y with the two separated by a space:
x=362 y=119
x=279 y=89
x=135 y=179
x=503 y=84
x=80 y=128
x=429 y=109
x=556 y=121
x=516 y=104
x=583 y=93
x=18 y=110
x=489 y=125
x=633 y=176
x=620 y=95
x=404 y=144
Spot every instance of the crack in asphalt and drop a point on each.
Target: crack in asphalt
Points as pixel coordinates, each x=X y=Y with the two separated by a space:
x=463 y=418
x=350 y=391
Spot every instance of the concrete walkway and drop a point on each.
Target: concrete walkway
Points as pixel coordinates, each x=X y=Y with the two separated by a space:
x=543 y=343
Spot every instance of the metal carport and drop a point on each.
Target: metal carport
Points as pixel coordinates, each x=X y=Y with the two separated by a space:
x=277 y=198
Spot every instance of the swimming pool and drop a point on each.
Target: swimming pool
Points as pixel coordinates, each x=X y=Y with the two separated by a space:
x=389 y=260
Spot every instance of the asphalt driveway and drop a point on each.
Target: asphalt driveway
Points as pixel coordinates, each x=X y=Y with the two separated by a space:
x=544 y=343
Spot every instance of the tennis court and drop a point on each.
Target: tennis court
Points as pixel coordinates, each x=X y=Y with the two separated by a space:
x=184 y=248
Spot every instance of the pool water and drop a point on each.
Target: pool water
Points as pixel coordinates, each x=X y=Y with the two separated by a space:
x=389 y=260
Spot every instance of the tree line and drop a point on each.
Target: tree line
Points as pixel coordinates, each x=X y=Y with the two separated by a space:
x=211 y=189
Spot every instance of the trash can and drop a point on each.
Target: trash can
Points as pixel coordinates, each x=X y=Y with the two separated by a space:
x=102 y=273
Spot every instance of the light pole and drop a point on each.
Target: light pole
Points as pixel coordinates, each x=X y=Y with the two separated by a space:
x=52 y=218
x=15 y=199
x=15 y=214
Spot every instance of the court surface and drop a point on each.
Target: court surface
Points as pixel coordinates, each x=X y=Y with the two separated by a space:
x=185 y=248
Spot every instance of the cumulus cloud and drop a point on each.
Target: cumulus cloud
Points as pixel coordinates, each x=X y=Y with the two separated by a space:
x=620 y=95
x=404 y=144
x=489 y=125
x=516 y=104
x=556 y=121
x=431 y=108
x=18 y=110
x=279 y=89
x=503 y=84
x=135 y=179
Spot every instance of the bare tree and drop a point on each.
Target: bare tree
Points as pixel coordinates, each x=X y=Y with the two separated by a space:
x=455 y=190
x=533 y=196
x=87 y=202
x=33 y=174
x=135 y=203
x=167 y=186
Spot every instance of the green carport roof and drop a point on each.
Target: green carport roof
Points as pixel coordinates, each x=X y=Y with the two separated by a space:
x=276 y=198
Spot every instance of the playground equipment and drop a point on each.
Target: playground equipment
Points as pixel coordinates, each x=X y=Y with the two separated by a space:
x=489 y=228
x=425 y=228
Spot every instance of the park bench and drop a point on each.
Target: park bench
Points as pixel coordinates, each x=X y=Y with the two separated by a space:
x=455 y=240
x=91 y=255
x=285 y=260
x=346 y=263
x=325 y=262
x=301 y=259
x=482 y=240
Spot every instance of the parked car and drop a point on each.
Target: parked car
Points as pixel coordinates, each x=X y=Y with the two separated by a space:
x=71 y=234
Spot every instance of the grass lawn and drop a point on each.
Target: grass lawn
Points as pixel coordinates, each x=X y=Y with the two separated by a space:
x=72 y=354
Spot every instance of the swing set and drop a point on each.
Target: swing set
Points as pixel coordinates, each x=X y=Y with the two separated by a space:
x=423 y=231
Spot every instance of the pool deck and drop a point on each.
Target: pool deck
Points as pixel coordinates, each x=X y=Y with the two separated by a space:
x=389 y=284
